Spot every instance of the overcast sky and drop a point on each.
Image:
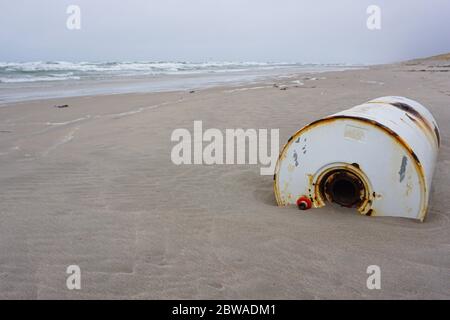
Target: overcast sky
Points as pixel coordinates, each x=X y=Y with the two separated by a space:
x=232 y=30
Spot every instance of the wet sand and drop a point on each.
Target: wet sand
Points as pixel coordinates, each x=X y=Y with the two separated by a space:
x=93 y=185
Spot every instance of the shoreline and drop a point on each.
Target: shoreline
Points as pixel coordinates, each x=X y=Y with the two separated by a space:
x=31 y=91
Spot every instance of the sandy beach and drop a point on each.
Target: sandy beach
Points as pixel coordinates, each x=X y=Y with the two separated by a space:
x=93 y=185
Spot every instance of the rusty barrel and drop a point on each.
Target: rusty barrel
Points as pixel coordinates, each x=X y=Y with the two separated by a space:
x=377 y=157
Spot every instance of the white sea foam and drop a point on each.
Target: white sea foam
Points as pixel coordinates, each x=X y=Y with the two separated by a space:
x=247 y=88
x=372 y=82
x=68 y=122
x=18 y=72
x=36 y=79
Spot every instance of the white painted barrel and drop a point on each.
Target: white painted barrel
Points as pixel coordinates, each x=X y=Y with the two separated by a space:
x=377 y=157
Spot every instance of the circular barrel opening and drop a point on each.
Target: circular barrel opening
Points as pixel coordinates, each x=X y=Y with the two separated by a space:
x=343 y=187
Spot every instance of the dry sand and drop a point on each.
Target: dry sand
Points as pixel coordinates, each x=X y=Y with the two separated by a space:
x=93 y=185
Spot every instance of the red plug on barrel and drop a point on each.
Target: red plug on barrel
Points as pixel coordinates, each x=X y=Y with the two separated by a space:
x=304 y=203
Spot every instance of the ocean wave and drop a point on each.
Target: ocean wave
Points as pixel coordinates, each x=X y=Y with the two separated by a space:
x=16 y=72
x=36 y=79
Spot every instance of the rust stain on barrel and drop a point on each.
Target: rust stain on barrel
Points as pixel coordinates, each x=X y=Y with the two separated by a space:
x=417 y=118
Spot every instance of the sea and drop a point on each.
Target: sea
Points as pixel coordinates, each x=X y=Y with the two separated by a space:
x=21 y=81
